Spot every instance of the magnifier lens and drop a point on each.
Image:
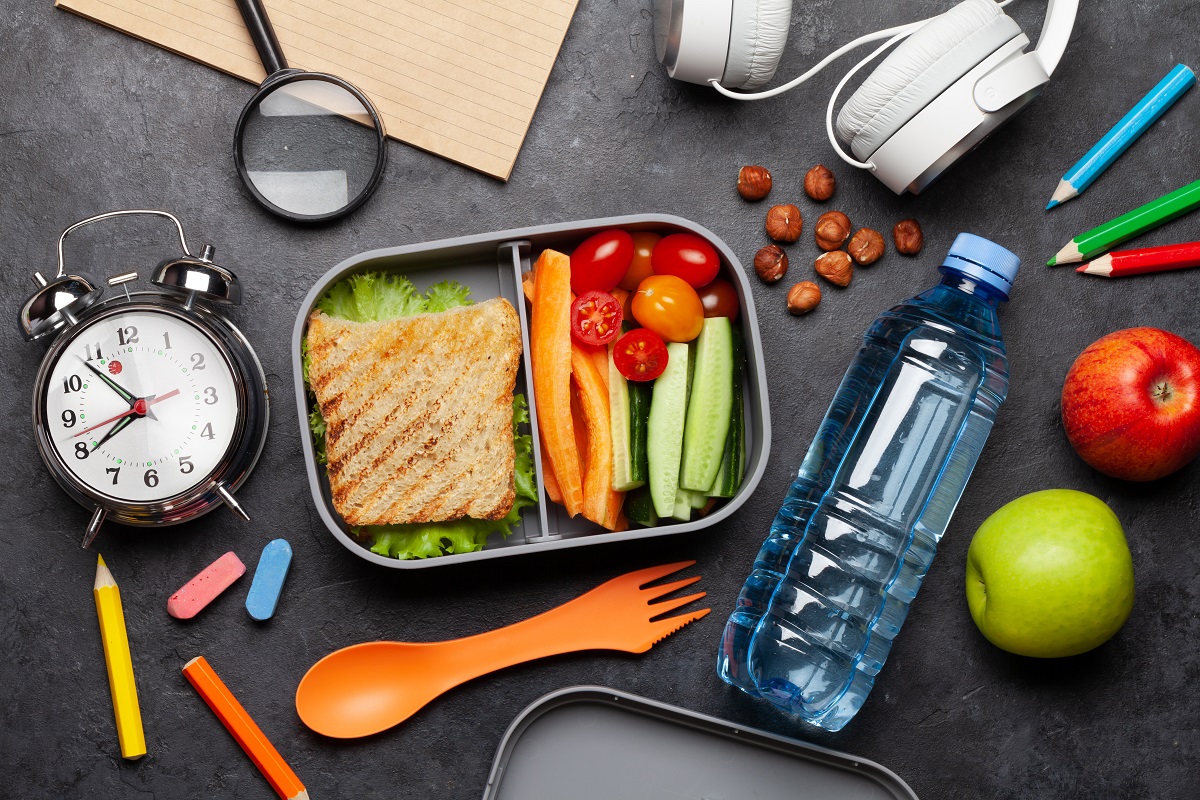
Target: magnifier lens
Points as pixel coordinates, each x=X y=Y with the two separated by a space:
x=310 y=147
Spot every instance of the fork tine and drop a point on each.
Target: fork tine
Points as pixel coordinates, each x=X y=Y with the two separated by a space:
x=644 y=576
x=664 y=589
x=658 y=609
x=665 y=627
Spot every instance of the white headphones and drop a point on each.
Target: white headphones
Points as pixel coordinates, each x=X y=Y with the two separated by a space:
x=957 y=78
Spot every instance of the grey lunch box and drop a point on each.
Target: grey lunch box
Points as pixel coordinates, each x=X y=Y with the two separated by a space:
x=491 y=265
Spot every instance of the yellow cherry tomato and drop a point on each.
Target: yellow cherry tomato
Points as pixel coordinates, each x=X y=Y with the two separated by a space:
x=639 y=270
x=670 y=307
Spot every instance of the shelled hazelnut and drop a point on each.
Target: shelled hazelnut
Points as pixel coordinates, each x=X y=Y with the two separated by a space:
x=908 y=237
x=832 y=231
x=803 y=297
x=835 y=267
x=754 y=183
x=784 y=223
x=819 y=183
x=866 y=246
x=771 y=263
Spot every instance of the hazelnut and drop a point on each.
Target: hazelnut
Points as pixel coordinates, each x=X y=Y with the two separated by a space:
x=770 y=263
x=784 y=223
x=754 y=183
x=819 y=183
x=803 y=297
x=866 y=246
x=833 y=228
x=908 y=237
x=835 y=267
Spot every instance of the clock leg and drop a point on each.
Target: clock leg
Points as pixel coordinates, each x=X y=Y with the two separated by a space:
x=227 y=496
x=93 y=527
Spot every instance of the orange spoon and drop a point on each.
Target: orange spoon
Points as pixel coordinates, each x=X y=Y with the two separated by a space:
x=368 y=688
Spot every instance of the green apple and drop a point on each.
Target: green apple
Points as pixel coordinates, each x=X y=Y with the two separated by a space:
x=1050 y=575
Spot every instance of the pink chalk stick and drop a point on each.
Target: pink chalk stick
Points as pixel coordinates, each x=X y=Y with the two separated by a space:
x=204 y=588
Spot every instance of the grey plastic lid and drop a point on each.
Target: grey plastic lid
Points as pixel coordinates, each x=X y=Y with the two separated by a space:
x=593 y=743
x=983 y=259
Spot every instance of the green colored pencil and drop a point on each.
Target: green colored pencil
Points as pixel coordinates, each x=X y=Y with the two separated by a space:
x=1127 y=226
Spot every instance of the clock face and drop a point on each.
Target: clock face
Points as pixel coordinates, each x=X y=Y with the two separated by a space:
x=141 y=405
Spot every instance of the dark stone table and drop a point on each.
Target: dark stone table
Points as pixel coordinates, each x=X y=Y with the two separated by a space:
x=92 y=121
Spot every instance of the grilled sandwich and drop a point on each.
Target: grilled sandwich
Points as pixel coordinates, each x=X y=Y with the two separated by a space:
x=419 y=413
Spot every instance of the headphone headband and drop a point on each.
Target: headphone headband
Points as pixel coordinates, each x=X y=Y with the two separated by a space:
x=1056 y=31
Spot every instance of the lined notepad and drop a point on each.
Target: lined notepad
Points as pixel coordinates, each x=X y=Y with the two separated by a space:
x=459 y=78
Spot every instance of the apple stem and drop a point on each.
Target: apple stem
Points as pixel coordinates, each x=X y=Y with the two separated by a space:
x=1162 y=390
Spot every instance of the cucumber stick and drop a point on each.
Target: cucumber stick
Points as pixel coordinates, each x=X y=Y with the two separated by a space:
x=639 y=507
x=621 y=425
x=733 y=463
x=683 y=505
x=664 y=429
x=639 y=418
x=710 y=406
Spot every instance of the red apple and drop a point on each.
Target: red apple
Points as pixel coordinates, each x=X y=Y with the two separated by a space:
x=1131 y=404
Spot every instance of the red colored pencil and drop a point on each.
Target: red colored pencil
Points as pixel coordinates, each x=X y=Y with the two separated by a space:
x=1139 y=262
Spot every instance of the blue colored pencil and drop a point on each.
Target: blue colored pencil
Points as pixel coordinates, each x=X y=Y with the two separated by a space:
x=1124 y=133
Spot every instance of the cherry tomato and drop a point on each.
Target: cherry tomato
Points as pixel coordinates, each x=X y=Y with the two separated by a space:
x=601 y=261
x=640 y=355
x=668 y=306
x=720 y=299
x=596 y=318
x=640 y=269
x=687 y=256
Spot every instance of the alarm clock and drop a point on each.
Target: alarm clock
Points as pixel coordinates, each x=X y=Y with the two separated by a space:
x=151 y=407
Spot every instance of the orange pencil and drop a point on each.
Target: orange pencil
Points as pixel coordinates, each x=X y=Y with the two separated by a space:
x=244 y=731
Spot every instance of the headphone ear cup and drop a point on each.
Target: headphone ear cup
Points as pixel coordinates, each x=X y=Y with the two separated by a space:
x=757 y=36
x=922 y=67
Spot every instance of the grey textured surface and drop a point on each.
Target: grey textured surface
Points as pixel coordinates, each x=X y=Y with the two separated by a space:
x=92 y=120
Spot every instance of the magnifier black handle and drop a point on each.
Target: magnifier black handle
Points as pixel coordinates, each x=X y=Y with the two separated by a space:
x=263 y=35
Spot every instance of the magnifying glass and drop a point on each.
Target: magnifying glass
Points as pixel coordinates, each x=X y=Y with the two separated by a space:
x=309 y=146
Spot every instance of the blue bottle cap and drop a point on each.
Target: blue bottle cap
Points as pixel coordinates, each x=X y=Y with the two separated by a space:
x=983 y=259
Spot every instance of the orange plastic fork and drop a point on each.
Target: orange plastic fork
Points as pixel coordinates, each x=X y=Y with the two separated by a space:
x=368 y=688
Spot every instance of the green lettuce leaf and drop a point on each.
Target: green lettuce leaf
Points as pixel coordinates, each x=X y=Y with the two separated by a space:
x=372 y=297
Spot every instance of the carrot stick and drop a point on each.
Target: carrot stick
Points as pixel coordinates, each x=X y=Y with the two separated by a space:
x=551 y=482
x=550 y=349
x=600 y=503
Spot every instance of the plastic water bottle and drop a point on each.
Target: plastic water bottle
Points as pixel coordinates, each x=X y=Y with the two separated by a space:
x=846 y=554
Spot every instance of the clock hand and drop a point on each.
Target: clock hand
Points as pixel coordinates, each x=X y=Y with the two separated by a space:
x=120 y=426
x=140 y=408
x=125 y=394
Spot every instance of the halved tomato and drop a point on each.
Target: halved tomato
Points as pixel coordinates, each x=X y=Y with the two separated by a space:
x=640 y=355
x=596 y=318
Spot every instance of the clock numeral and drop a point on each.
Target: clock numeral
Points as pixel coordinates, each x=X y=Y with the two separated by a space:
x=72 y=383
x=68 y=418
x=197 y=361
x=185 y=465
x=207 y=431
x=127 y=335
x=90 y=356
x=166 y=341
x=151 y=478
x=81 y=450
x=114 y=471
x=210 y=396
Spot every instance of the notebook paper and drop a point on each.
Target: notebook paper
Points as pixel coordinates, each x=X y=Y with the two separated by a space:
x=459 y=78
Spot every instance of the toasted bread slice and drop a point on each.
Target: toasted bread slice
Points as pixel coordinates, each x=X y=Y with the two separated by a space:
x=418 y=413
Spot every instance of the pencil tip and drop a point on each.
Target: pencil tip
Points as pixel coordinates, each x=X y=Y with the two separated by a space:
x=100 y=561
x=1083 y=268
x=1051 y=204
x=1052 y=262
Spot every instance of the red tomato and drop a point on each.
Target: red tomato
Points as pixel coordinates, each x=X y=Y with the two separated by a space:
x=640 y=355
x=720 y=299
x=601 y=261
x=687 y=256
x=596 y=318
x=640 y=269
x=668 y=306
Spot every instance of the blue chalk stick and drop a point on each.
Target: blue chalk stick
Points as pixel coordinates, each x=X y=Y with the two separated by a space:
x=268 y=579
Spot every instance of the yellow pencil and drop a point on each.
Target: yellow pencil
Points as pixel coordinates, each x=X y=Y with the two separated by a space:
x=120 y=663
